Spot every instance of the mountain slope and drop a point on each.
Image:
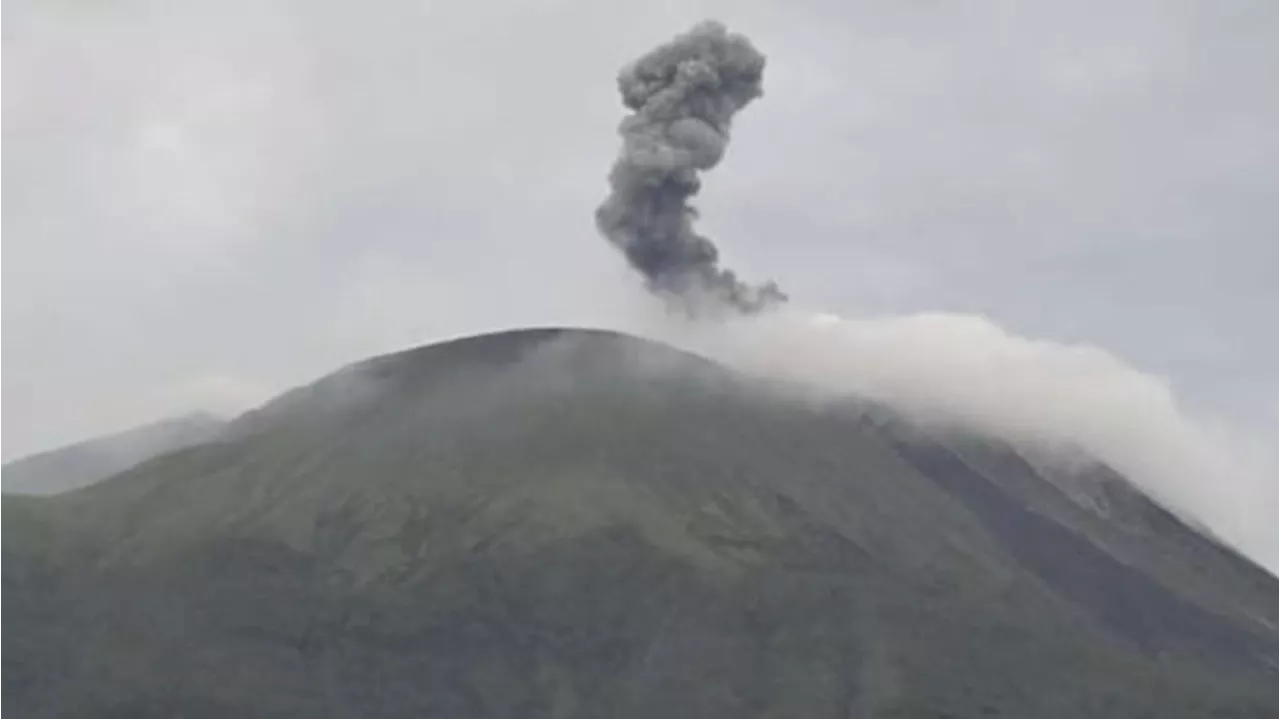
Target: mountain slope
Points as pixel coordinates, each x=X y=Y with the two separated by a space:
x=84 y=463
x=574 y=523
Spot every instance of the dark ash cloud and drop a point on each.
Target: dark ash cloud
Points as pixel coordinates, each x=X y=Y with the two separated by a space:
x=684 y=95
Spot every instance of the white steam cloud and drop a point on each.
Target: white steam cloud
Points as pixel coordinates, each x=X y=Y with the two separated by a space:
x=958 y=370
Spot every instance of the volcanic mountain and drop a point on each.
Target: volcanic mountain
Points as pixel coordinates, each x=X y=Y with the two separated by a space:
x=574 y=523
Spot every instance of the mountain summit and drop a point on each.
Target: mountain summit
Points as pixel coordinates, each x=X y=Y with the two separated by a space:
x=562 y=523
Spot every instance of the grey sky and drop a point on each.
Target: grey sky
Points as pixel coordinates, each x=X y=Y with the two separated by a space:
x=206 y=202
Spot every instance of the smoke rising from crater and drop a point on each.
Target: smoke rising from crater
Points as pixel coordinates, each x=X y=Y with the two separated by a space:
x=1065 y=402
x=684 y=95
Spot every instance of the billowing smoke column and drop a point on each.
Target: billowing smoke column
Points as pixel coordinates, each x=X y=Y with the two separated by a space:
x=684 y=94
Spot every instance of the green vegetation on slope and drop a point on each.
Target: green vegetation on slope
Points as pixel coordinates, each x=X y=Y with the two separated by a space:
x=554 y=523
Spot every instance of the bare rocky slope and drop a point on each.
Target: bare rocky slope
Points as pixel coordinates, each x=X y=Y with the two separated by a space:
x=571 y=523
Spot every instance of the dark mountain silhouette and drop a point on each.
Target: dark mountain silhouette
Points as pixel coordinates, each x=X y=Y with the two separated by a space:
x=564 y=523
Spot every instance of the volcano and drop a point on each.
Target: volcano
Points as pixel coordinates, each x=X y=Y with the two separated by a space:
x=577 y=523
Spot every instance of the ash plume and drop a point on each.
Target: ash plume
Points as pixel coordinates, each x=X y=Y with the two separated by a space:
x=684 y=95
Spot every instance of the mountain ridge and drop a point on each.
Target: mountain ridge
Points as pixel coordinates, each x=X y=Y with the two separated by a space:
x=87 y=461
x=555 y=523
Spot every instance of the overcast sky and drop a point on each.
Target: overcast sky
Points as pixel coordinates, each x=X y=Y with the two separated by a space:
x=206 y=202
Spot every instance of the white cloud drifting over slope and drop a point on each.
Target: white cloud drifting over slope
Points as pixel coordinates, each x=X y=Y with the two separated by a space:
x=959 y=370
